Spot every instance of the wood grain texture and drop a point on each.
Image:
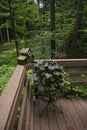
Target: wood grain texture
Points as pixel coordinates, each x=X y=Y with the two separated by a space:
x=10 y=98
x=74 y=115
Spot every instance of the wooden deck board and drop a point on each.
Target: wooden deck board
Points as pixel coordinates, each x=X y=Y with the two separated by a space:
x=80 y=112
x=36 y=117
x=74 y=115
x=67 y=115
x=60 y=116
x=44 y=122
x=52 y=118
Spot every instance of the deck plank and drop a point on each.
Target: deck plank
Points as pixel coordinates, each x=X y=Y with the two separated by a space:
x=74 y=115
x=80 y=112
x=67 y=115
x=52 y=120
x=36 y=121
x=60 y=118
x=84 y=105
x=44 y=119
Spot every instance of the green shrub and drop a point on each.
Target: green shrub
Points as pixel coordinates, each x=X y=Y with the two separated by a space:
x=5 y=74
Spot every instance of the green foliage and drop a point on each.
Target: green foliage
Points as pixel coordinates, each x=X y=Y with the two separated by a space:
x=8 y=62
x=4 y=15
x=24 y=17
x=8 y=58
x=49 y=78
x=35 y=27
x=82 y=42
x=5 y=74
x=76 y=91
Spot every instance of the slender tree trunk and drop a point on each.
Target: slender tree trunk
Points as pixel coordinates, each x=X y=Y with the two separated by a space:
x=75 y=35
x=41 y=26
x=4 y=35
x=13 y=27
x=38 y=1
x=53 y=48
x=1 y=36
x=40 y=13
x=8 y=34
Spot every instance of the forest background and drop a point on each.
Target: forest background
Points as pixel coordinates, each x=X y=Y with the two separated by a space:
x=51 y=29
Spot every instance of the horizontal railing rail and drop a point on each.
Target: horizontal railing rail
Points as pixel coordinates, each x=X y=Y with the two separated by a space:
x=66 y=63
x=71 y=62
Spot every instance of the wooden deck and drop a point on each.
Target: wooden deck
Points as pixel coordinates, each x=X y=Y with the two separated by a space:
x=74 y=115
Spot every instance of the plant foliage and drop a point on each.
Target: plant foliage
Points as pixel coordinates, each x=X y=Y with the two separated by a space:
x=49 y=78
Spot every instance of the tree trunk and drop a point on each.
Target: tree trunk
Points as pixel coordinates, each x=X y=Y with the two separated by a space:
x=53 y=49
x=1 y=36
x=75 y=35
x=40 y=12
x=41 y=26
x=4 y=35
x=13 y=27
x=8 y=35
x=38 y=1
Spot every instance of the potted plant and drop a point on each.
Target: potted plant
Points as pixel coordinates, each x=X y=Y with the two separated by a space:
x=49 y=78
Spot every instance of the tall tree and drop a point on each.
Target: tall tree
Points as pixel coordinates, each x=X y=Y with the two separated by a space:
x=53 y=49
x=75 y=35
x=11 y=11
x=4 y=22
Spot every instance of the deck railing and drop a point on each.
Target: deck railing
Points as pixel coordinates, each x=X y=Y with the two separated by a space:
x=74 y=63
x=10 y=98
